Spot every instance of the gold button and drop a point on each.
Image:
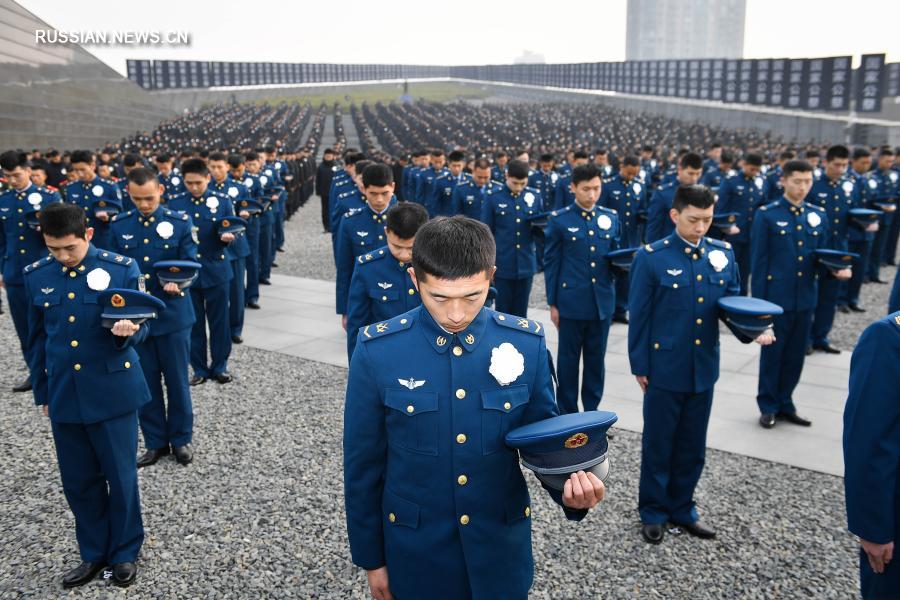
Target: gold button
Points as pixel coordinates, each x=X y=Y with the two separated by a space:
x=501 y=317
x=699 y=277
x=799 y=227
x=769 y=277
x=72 y=273
x=699 y=321
x=410 y=408
x=461 y=438
x=74 y=343
x=71 y=317
x=457 y=351
x=593 y=265
x=783 y=232
x=77 y=367
x=593 y=280
x=392 y=517
x=22 y=251
x=507 y=405
x=384 y=298
x=46 y=304
x=146 y=258
x=593 y=248
x=146 y=241
x=700 y=299
x=527 y=511
x=573 y=239
x=403 y=321
x=518 y=220
x=800 y=243
x=518 y=246
x=656 y=346
x=462 y=480
x=697 y=342
x=411 y=291
x=146 y=224
x=127 y=365
x=675 y=286
x=799 y=273
x=464 y=520
x=460 y=393
x=71 y=295
x=591 y=232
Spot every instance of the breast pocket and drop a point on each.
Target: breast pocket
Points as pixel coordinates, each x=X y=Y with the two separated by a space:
x=676 y=292
x=46 y=300
x=503 y=410
x=164 y=244
x=384 y=296
x=128 y=244
x=574 y=237
x=412 y=420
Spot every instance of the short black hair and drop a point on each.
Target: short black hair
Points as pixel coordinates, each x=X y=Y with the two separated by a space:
x=218 y=156
x=579 y=154
x=481 y=163
x=354 y=157
x=861 y=152
x=361 y=166
x=691 y=160
x=885 y=151
x=405 y=219
x=13 y=159
x=787 y=155
x=141 y=175
x=693 y=195
x=726 y=157
x=753 y=159
x=163 y=157
x=328 y=151
x=437 y=152
x=631 y=161
x=39 y=164
x=131 y=160
x=795 y=166
x=500 y=154
x=584 y=173
x=456 y=156
x=547 y=158
x=378 y=175
x=194 y=165
x=251 y=156
x=812 y=154
x=453 y=248
x=82 y=156
x=235 y=160
x=838 y=151
x=517 y=169
x=61 y=219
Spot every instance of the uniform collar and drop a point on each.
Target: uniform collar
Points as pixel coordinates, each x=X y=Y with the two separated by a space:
x=88 y=261
x=91 y=183
x=22 y=193
x=680 y=244
x=584 y=213
x=441 y=340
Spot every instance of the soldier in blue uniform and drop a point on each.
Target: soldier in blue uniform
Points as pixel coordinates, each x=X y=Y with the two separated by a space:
x=20 y=244
x=544 y=180
x=773 y=188
x=87 y=380
x=352 y=199
x=168 y=176
x=209 y=293
x=860 y=236
x=834 y=192
x=509 y=214
x=269 y=197
x=894 y=300
x=425 y=178
x=872 y=455
x=884 y=197
x=650 y=166
x=784 y=238
x=659 y=223
x=228 y=190
x=626 y=194
x=253 y=191
x=343 y=180
x=129 y=162
x=498 y=171
x=673 y=347
x=601 y=159
x=379 y=288
x=440 y=201
x=581 y=288
x=149 y=234
x=94 y=195
x=742 y=193
x=432 y=492
x=469 y=195
x=283 y=177
x=362 y=230
x=563 y=195
x=713 y=177
x=713 y=158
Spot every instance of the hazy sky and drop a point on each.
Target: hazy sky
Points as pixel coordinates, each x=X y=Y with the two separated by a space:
x=456 y=32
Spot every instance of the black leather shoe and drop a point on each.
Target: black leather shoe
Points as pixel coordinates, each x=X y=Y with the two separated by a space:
x=197 y=380
x=856 y=308
x=236 y=339
x=653 y=532
x=253 y=305
x=698 y=529
x=809 y=350
x=82 y=574
x=183 y=454
x=623 y=319
x=151 y=456
x=827 y=348
x=124 y=574
x=876 y=280
x=274 y=265
x=843 y=308
x=767 y=420
x=794 y=418
x=23 y=386
x=279 y=249
x=265 y=282
x=223 y=377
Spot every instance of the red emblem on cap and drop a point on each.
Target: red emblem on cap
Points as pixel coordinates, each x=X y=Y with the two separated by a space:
x=226 y=223
x=577 y=440
x=117 y=301
x=174 y=270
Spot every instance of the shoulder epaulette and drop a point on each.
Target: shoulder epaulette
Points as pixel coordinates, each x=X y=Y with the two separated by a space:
x=718 y=243
x=518 y=323
x=38 y=264
x=122 y=216
x=657 y=245
x=371 y=256
x=383 y=328
x=561 y=211
x=607 y=209
x=816 y=207
x=352 y=212
x=771 y=205
x=112 y=257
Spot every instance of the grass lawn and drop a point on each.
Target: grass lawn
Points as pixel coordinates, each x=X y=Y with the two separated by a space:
x=435 y=91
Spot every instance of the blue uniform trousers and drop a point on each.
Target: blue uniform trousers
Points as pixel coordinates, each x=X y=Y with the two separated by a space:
x=251 y=293
x=512 y=295
x=279 y=221
x=826 y=306
x=166 y=356
x=673 y=451
x=874 y=586
x=781 y=363
x=98 y=466
x=879 y=246
x=890 y=247
x=18 y=309
x=265 y=248
x=577 y=338
x=210 y=304
x=742 y=258
x=850 y=289
x=236 y=296
x=623 y=282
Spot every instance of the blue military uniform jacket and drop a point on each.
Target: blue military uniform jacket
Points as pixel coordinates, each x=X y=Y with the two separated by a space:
x=380 y=289
x=161 y=235
x=507 y=216
x=783 y=242
x=837 y=198
x=659 y=224
x=563 y=194
x=578 y=278
x=425 y=183
x=20 y=245
x=233 y=192
x=673 y=337
x=127 y=203
x=361 y=232
x=863 y=196
x=742 y=195
x=626 y=198
x=545 y=184
x=431 y=489
x=173 y=183
x=714 y=177
x=468 y=198
x=872 y=434
x=79 y=368
x=440 y=201
x=773 y=188
x=205 y=213
x=347 y=201
x=85 y=195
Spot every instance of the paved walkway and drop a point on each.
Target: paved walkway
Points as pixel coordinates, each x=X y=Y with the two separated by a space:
x=298 y=319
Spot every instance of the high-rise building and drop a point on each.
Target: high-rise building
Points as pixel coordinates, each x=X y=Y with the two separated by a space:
x=667 y=29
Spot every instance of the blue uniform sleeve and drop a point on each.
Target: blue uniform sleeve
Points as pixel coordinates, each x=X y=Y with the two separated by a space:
x=35 y=348
x=640 y=311
x=759 y=256
x=552 y=259
x=656 y=212
x=487 y=213
x=359 y=307
x=456 y=200
x=723 y=204
x=365 y=461
x=141 y=334
x=344 y=259
x=187 y=247
x=872 y=435
x=734 y=286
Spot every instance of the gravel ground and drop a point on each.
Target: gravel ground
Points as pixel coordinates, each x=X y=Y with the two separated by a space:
x=259 y=513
